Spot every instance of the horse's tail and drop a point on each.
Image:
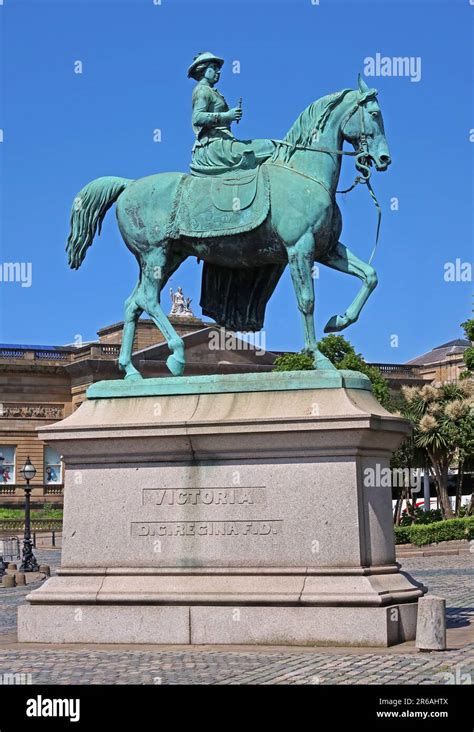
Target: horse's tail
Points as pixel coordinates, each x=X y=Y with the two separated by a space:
x=88 y=211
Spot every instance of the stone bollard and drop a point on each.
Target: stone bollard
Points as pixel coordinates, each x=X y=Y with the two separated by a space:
x=8 y=580
x=12 y=565
x=44 y=568
x=431 y=624
x=20 y=578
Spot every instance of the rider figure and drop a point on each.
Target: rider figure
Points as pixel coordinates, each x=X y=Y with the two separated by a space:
x=216 y=150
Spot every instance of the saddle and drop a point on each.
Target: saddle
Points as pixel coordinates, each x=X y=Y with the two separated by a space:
x=209 y=206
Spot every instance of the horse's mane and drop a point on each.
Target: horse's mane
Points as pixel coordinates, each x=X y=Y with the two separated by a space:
x=313 y=119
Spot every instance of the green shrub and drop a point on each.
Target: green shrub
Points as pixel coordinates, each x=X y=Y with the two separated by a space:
x=402 y=534
x=16 y=514
x=421 y=517
x=420 y=535
x=468 y=357
x=294 y=362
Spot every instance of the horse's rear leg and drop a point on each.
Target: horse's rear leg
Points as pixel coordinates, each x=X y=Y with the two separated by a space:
x=344 y=260
x=301 y=259
x=131 y=315
x=156 y=268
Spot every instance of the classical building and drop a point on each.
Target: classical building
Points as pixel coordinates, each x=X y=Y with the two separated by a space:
x=43 y=384
x=35 y=389
x=443 y=363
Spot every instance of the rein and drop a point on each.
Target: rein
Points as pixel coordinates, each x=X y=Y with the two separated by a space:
x=362 y=156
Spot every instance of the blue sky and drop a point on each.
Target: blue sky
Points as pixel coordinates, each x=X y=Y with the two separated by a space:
x=62 y=129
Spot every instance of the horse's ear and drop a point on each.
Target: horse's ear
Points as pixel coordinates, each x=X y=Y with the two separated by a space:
x=362 y=85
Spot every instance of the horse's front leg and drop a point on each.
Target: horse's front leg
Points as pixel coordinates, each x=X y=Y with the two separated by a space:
x=300 y=260
x=344 y=260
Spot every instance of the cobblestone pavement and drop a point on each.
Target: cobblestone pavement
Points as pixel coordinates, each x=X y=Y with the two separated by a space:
x=448 y=576
x=11 y=598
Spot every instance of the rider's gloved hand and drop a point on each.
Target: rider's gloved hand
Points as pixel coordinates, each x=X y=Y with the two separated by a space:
x=233 y=115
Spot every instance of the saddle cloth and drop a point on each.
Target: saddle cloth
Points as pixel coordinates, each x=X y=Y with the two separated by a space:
x=221 y=206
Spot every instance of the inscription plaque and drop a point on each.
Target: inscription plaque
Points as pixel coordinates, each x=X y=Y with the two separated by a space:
x=185 y=499
x=200 y=496
x=206 y=528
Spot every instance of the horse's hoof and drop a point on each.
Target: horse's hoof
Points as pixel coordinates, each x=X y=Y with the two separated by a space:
x=136 y=376
x=321 y=362
x=335 y=324
x=175 y=366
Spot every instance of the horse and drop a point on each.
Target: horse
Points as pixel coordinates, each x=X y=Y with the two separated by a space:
x=302 y=227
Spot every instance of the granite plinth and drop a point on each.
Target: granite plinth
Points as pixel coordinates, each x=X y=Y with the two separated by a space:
x=184 y=511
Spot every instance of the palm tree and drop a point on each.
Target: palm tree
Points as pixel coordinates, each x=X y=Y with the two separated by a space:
x=442 y=416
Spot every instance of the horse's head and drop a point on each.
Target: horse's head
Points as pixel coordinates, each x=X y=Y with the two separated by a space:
x=364 y=129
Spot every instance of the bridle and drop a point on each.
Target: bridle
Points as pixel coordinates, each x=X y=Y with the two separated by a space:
x=362 y=158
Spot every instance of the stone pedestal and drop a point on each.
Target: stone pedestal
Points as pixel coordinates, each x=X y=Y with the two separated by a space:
x=232 y=509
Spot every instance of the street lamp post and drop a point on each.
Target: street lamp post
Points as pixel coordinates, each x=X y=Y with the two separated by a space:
x=29 y=563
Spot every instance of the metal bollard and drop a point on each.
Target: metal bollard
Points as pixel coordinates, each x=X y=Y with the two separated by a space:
x=54 y=538
x=431 y=624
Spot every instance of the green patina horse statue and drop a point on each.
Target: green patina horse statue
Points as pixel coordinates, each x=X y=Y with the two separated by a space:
x=301 y=225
